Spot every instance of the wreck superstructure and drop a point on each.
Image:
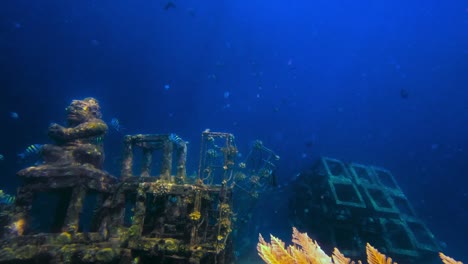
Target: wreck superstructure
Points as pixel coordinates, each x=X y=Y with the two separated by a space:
x=140 y=218
x=346 y=205
x=192 y=221
x=69 y=210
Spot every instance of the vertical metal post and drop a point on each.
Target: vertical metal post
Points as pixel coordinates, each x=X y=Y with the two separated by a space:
x=127 y=162
x=196 y=208
x=146 y=164
x=23 y=204
x=166 y=164
x=74 y=209
x=181 y=163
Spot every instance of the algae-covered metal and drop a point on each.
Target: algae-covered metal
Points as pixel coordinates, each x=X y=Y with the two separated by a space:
x=69 y=210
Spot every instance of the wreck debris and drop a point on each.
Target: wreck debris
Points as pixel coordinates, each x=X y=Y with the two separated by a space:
x=68 y=210
x=191 y=217
x=346 y=205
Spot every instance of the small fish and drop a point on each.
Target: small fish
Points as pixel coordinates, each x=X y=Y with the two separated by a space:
x=6 y=198
x=167 y=87
x=14 y=115
x=115 y=124
x=169 y=5
x=33 y=150
x=2 y=157
x=176 y=139
x=212 y=76
x=98 y=140
x=173 y=199
x=95 y=42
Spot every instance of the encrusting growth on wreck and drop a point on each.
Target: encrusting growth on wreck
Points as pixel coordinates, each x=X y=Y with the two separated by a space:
x=307 y=251
x=68 y=209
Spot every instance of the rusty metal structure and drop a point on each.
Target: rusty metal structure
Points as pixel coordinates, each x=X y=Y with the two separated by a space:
x=346 y=205
x=192 y=220
x=69 y=210
x=153 y=216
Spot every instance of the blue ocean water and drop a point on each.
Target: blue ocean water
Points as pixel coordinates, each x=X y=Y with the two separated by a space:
x=375 y=82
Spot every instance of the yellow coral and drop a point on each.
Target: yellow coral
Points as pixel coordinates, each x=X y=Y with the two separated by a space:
x=274 y=253
x=448 y=260
x=375 y=257
x=18 y=226
x=195 y=216
x=307 y=251
x=339 y=258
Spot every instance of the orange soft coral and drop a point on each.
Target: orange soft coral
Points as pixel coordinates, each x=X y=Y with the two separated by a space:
x=375 y=257
x=307 y=251
x=274 y=253
x=448 y=260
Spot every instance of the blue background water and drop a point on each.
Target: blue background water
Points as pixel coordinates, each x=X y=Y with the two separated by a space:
x=308 y=78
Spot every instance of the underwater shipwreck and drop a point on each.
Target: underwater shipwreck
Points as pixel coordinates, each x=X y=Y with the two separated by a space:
x=69 y=210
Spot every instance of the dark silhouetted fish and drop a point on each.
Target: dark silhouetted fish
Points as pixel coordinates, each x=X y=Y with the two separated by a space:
x=191 y=12
x=14 y=115
x=169 y=5
x=115 y=124
x=404 y=93
x=309 y=143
